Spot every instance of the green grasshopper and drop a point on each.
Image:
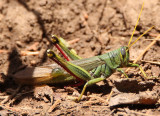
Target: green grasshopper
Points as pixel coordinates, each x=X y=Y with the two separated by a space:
x=89 y=71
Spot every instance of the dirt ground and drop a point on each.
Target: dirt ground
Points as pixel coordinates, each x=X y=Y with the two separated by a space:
x=92 y=27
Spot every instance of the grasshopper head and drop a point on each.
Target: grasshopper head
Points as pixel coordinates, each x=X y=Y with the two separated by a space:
x=124 y=53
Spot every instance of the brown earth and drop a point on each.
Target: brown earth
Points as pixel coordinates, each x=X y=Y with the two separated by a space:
x=100 y=26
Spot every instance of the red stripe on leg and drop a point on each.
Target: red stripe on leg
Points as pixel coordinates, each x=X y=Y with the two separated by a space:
x=64 y=55
x=65 y=68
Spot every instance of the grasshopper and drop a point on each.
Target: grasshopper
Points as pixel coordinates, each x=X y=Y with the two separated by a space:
x=89 y=70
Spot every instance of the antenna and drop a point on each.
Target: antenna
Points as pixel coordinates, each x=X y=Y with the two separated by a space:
x=136 y=25
x=140 y=37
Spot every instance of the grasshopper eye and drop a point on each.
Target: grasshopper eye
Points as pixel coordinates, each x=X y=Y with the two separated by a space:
x=123 y=51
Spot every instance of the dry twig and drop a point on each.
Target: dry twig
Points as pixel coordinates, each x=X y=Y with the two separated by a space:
x=108 y=98
x=54 y=105
x=73 y=41
x=151 y=62
x=10 y=108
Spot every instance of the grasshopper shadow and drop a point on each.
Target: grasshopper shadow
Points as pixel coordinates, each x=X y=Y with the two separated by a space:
x=97 y=89
x=14 y=66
